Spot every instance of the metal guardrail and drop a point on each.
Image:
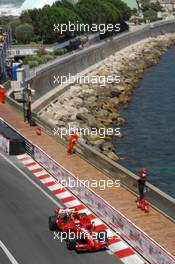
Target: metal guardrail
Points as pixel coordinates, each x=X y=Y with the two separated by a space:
x=29 y=147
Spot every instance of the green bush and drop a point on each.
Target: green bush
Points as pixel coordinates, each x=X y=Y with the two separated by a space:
x=48 y=57
x=35 y=60
x=33 y=64
x=24 y=33
x=34 y=57
x=150 y=14
x=14 y=24
x=41 y=60
x=28 y=58
x=59 y=52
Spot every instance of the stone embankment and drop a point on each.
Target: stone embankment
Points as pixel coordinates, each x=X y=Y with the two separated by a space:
x=89 y=105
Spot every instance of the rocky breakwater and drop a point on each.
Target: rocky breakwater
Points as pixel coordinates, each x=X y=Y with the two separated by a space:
x=94 y=107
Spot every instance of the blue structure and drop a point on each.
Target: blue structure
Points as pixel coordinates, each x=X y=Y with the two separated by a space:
x=15 y=66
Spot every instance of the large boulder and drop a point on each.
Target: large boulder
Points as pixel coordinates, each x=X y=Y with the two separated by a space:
x=89 y=119
x=120 y=120
x=106 y=121
x=111 y=155
x=115 y=93
x=114 y=116
x=93 y=137
x=124 y=99
x=98 y=142
x=107 y=146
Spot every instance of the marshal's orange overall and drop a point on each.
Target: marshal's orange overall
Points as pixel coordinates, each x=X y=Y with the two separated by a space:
x=2 y=95
x=73 y=138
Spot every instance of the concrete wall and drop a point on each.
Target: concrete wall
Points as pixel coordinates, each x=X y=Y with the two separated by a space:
x=43 y=80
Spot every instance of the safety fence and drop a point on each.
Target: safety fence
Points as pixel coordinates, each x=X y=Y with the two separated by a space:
x=138 y=239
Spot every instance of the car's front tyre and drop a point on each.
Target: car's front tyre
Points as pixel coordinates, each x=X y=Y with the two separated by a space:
x=52 y=223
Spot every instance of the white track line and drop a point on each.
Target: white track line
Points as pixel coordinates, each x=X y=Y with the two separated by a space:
x=8 y=254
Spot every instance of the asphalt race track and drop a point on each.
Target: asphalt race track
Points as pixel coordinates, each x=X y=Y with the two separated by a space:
x=24 y=211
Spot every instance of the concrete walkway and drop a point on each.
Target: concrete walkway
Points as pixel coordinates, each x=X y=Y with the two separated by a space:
x=154 y=224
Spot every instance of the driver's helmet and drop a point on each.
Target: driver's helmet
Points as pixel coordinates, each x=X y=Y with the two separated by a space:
x=143 y=172
x=77 y=223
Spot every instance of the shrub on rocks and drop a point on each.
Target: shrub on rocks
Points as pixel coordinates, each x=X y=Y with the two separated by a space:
x=33 y=64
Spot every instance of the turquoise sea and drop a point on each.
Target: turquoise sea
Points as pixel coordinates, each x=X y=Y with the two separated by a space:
x=149 y=131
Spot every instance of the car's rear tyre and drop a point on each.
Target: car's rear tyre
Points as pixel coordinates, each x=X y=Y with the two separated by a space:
x=71 y=243
x=103 y=236
x=52 y=223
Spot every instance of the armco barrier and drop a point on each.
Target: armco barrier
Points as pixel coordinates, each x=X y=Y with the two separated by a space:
x=10 y=142
x=4 y=144
x=145 y=245
x=29 y=147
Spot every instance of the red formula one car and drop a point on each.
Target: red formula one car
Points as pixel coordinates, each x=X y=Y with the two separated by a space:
x=77 y=230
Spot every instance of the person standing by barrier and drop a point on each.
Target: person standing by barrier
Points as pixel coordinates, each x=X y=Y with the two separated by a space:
x=73 y=138
x=141 y=182
x=141 y=202
x=2 y=94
